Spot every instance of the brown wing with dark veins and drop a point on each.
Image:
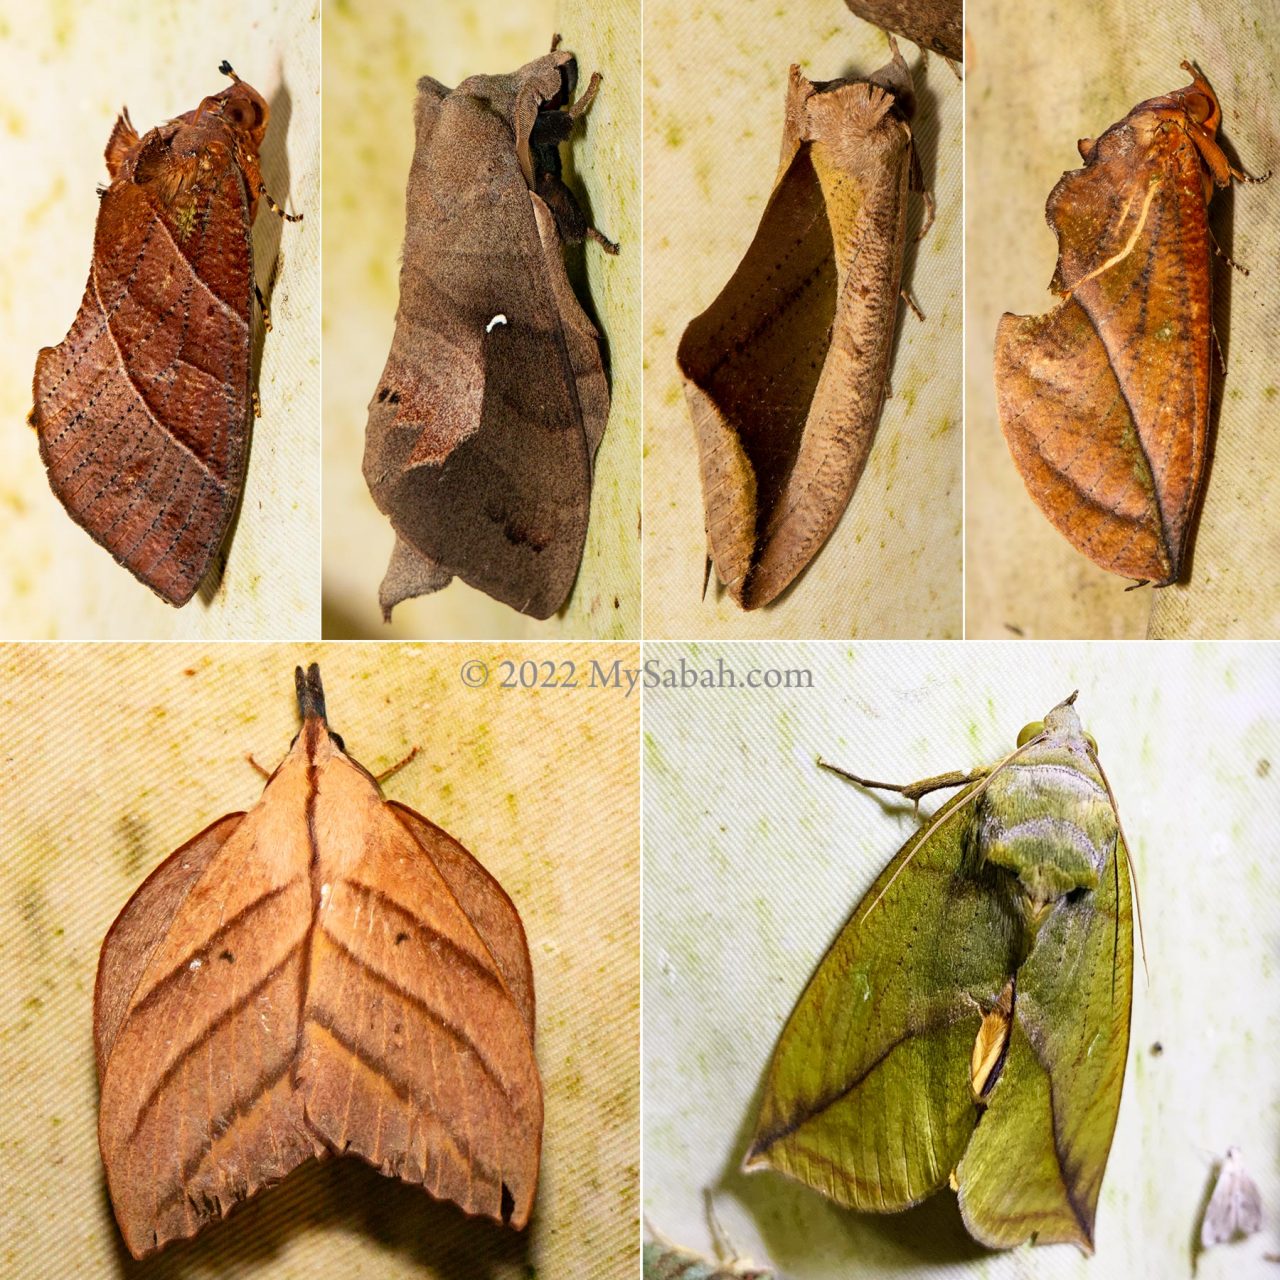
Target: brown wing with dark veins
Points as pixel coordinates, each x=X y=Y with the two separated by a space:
x=142 y=410
x=417 y=1051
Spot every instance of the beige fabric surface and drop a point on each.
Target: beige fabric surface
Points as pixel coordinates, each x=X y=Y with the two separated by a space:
x=374 y=55
x=114 y=756
x=754 y=859
x=715 y=85
x=65 y=71
x=1041 y=75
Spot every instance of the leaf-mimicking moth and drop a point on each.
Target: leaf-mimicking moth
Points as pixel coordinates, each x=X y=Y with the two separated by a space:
x=933 y=24
x=143 y=410
x=484 y=425
x=326 y=973
x=1105 y=400
x=970 y=1023
x=785 y=372
x=1235 y=1208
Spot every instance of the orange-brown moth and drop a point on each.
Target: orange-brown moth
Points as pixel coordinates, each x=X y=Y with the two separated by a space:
x=327 y=973
x=785 y=372
x=932 y=24
x=143 y=409
x=1105 y=400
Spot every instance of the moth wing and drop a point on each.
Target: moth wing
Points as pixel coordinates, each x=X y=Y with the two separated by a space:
x=482 y=430
x=1234 y=1208
x=1105 y=400
x=485 y=902
x=196 y=1024
x=1034 y=1166
x=142 y=410
x=868 y=1098
x=785 y=371
x=417 y=1055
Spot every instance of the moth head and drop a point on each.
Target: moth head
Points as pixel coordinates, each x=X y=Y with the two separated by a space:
x=1199 y=100
x=245 y=110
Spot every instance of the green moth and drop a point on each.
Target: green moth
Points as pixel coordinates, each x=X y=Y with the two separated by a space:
x=970 y=1023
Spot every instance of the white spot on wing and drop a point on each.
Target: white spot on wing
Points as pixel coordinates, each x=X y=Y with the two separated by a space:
x=495 y=322
x=195 y=964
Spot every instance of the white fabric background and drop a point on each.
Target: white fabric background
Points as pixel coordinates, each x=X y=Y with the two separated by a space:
x=66 y=69
x=715 y=86
x=754 y=858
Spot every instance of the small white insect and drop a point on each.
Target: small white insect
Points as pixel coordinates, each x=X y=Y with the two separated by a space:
x=495 y=322
x=195 y=964
x=1235 y=1208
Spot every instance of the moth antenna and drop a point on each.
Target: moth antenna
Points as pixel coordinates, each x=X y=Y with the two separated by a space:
x=1133 y=875
x=310 y=692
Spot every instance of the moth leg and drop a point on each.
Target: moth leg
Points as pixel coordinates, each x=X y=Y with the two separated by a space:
x=586 y=98
x=1241 y=176
x=1230 y=261
x=603 y=241
x=275 y=208
x=262 y=304
x=266 y=773
x=555 y=42
x=228 y=70
x=916 y=183
x=706 y=576
x=913 y=791
x=395 y=768
x=720 y=1241
x=910 y=301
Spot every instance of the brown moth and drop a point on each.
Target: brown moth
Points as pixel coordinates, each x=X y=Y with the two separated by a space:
x=1235 y=1208
x=484 y=426
x=932 y=24
x=327 y=973
x=1105 y=400
x=785 y=372
x=143 y=409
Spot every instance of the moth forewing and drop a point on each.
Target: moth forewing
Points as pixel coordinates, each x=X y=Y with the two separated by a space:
x=909 y=1061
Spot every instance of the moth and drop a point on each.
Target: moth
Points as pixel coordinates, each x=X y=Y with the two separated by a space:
x=785 y=372
x=143 y=409
x=328 y=973
x=1235 y=1208
x=484 y=426
x=969 y=1025
x=932 y=24
x=665 y=1260
x=1105 y=401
